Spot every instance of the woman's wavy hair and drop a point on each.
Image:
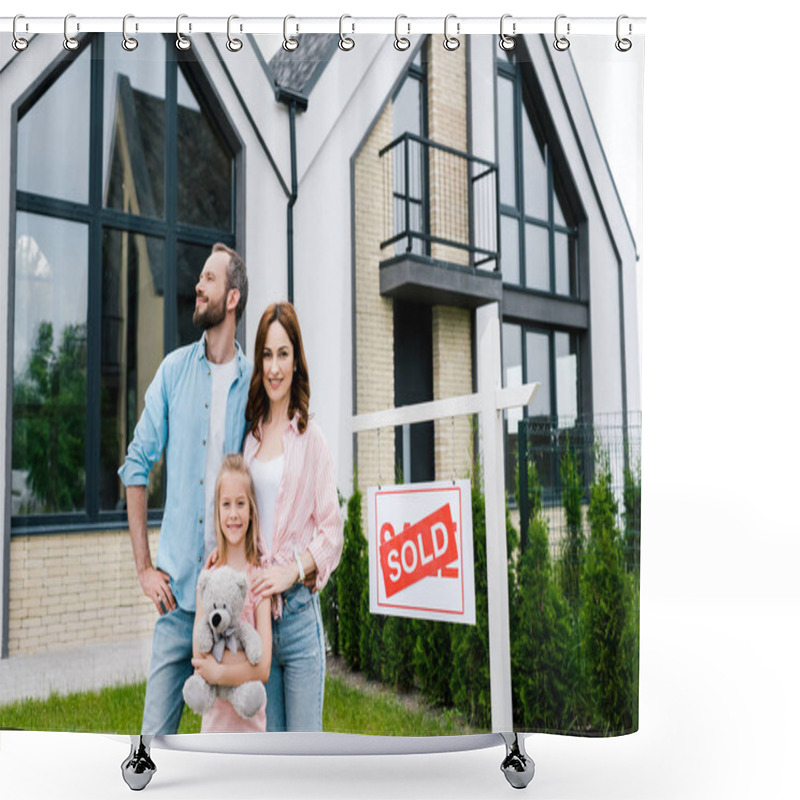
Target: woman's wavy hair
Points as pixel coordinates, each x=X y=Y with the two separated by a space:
x=257 y=401
x=234 y=464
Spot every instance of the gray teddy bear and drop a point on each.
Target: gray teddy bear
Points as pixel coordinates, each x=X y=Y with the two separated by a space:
x=223 y=592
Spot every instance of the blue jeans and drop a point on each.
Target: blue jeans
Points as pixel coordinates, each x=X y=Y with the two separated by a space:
x=170 y=666
x=297 y=676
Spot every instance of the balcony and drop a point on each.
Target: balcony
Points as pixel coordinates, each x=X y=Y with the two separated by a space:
x=440 y=242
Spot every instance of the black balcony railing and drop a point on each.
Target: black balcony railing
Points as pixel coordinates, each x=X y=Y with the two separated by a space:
x=440 y=203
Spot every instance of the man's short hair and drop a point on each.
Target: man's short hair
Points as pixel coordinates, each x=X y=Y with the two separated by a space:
x=237 y=276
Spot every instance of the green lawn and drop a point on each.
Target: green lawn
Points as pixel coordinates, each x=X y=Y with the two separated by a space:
x=119 y=710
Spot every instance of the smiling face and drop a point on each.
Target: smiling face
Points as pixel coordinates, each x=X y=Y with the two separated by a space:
x=277 y=363
x=233 y=507
x=211 y=292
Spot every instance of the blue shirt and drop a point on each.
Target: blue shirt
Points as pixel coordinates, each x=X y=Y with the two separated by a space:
x=176 y=416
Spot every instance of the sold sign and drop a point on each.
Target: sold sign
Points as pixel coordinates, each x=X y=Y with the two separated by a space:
x=422 y=531
x=420 y=551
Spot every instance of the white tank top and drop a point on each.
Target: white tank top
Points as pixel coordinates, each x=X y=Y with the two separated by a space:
x=267 y=478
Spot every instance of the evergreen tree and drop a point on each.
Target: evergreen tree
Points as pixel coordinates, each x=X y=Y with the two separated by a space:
x=399 y=639
x=351 y=580
x=433 y=661
x=632 y=518
x=541 y=629
x=605 y=613
x=370 y=644
x=571 y=499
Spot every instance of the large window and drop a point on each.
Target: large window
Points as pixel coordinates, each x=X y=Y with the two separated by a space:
x=124 y=180
x=538 y=231
x=545 y=336
x=549 y=358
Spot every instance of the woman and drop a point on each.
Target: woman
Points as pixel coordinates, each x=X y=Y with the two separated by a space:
x=301 y=525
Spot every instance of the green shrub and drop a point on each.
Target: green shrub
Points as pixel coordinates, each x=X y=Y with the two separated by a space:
x=351 y=579
x=433 y=660
x=540 y=626
x=606 y=593
x=399 y=639
x=329 y=605
x=572 y=500
x=370 y=646
x=632 y=518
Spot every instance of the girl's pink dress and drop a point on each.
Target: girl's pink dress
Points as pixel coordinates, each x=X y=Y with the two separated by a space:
x=222 y=718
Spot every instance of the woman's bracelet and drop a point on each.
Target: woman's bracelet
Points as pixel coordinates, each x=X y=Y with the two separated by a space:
x=300 y=570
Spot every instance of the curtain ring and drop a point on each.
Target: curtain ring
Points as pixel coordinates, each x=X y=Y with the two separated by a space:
x=234 y=45
x=19 y=44
x=289 y=44
x=346 y=43
x=623 y=45
x=451 y=43
x=400 y=42
x=128 y=42
x=181 y=42
x=561 y=43
x=507 y=43
x=70 y=42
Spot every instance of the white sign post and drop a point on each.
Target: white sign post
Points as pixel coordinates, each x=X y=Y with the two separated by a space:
x=489 y=403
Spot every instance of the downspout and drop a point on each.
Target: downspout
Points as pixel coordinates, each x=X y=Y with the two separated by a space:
x=292 y=200
x=295 y=102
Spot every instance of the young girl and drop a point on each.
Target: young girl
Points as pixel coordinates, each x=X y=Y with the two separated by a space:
x=237 y=528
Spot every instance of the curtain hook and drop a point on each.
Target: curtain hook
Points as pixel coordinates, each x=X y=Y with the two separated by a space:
x=19 y=44
x=561 y=43
x=623 y=45
x=400 y=42
x=128 y=42
x=70 y=42
x=346 y=43
x=234 y=45
x=289 y=43
x=181 y=42
x=507 y=43
x=451 y=43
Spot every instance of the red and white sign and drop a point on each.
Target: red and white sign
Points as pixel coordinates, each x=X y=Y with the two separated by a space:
x=420 y=551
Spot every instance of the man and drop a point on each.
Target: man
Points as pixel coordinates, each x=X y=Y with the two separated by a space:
x=195 y=409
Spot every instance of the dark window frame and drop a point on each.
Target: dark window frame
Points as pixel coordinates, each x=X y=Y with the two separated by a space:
x=524 y=94
x=98 y=218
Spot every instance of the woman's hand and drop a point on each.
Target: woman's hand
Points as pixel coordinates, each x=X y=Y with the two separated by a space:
x=207 y=667
x=274 y=580
x=212 y=559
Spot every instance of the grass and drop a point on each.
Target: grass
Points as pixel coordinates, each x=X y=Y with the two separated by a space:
x=119 y=710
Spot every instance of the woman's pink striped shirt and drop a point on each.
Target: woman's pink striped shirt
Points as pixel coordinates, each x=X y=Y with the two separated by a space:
x=307 y=514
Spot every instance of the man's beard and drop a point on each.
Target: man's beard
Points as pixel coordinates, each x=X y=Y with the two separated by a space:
x=209 y=316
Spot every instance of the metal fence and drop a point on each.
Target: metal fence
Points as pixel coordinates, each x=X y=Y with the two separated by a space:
x=609 y=442
x=440 y=202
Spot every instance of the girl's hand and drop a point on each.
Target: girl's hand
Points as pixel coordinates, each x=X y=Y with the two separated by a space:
x=274 y=580
x=212 y=559
x=207 y=668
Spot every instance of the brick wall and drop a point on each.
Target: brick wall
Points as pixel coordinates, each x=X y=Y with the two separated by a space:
x=75 y=588
x=452 y=327
x=374 y=328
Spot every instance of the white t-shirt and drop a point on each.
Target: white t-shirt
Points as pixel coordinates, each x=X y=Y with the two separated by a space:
x=222 y=376
x=267 y=478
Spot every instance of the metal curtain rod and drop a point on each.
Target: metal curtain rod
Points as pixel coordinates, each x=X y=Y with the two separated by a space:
x=275 y=25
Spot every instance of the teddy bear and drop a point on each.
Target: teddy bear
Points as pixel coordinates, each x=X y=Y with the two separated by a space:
x=223 y=592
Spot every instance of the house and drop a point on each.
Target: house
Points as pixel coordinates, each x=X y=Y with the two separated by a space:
x=396 y=197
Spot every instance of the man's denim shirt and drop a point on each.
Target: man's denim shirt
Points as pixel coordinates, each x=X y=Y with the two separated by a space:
x=176 y=415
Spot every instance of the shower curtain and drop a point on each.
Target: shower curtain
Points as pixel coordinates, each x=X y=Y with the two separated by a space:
x=408 y=200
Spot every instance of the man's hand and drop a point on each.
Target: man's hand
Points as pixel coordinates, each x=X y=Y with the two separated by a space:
x=155 y=585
